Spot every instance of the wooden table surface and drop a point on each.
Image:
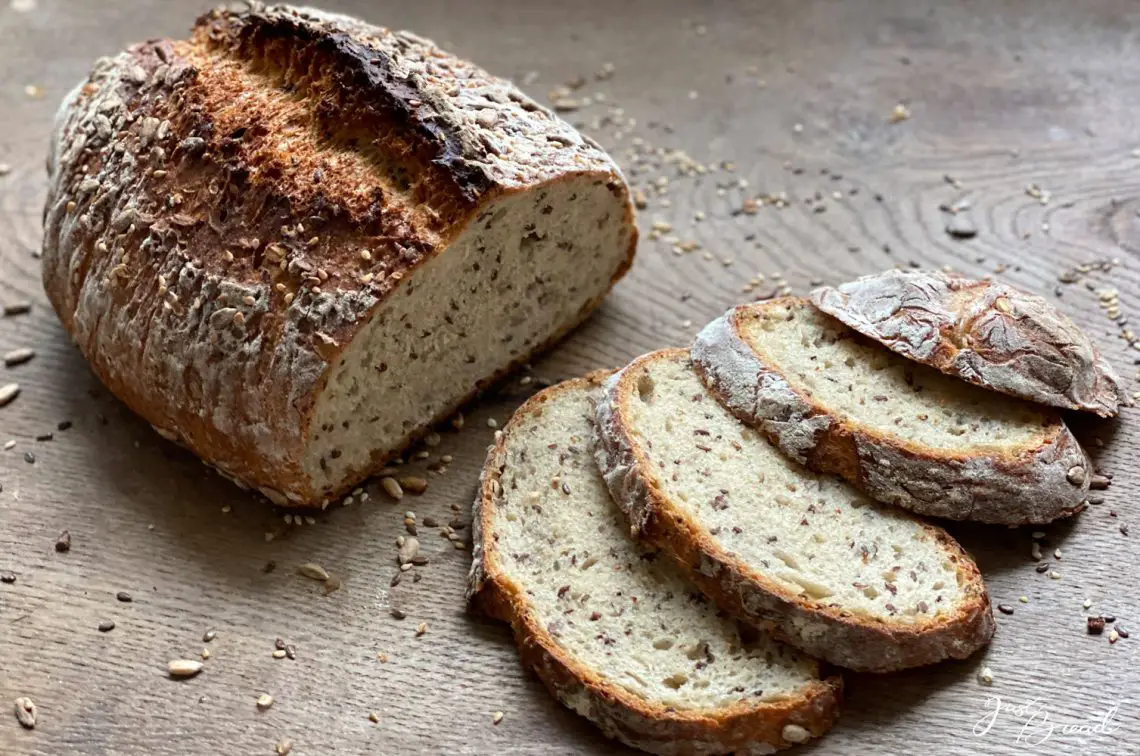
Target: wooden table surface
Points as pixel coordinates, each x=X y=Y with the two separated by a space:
x=798 y=97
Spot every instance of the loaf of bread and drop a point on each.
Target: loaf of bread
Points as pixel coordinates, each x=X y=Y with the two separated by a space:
x=295 y=240
x=617 y=635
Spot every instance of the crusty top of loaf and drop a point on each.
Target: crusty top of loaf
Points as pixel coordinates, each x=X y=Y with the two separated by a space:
x=225 y=211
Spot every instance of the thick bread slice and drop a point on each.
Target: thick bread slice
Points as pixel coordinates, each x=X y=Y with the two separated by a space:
x=902 y=432
x=294 y=240
x=984 y=332
x=617 y=635
x=824 y=567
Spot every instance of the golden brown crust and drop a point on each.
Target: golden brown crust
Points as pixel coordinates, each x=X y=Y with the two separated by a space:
x=209 y=200
x=984 y=332
x=827 y=632
x=1031 y=484
x=744 y=729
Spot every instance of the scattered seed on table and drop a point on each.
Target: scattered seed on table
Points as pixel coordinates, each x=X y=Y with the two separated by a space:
x=1113 y=636
x=18 y=356
x=17 y=308
x=26 y=712
x=279 y=653
x=205 y=653
x=1095 y=625
x=1043 y=567
x=45 y=437
x=8 y=392
x=124 y=597
x=1005 y=608
x=63 y=542
x=63 y=425
x=960 y=226
x=106 y=626
x=395 y=580
x=1121 y=631
x=397 y=613
x=182 y=668
x=29 y=457
x=373 y=717
x=497 y=717
x=421 y=629
x=290 y=651
x=431 y=522
x=313 y=571
x=986 y=677
x=264 y=701
x=209 y=635
x=284 y=746
x=392 y=488
x=7 y=577
x=413 y=484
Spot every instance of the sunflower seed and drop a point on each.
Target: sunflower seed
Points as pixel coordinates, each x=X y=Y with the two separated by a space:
x=313 y=571
x=408 y=551
x=26 y=712
x=184 y=668
x=18 y=356
x=392 y=488
x=8 y=392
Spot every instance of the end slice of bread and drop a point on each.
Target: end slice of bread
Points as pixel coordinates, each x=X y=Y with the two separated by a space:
x=982 y=331
x=902 y=432
x=615 y=632
x=807 y=556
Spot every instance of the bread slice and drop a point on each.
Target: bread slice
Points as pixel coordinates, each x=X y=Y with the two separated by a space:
x=294 y=241
x=616 y=634
x=984 y=332
x=903 y=433
x=807 y=556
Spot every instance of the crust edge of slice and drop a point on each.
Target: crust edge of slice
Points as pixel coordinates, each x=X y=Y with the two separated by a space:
x=755 y=729
x=824 y=632
x=1028 y=486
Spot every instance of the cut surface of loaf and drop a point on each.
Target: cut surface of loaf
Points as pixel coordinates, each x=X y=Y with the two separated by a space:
x=984 y=332
x=902 y=432
x=616 y=632
x=847 y=580
x=294 y=240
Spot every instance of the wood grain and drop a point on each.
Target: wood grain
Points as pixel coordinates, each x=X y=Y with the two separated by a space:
x=1001 y=95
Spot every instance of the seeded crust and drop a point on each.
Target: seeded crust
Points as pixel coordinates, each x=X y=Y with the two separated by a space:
x=826 y=632
x=1030 y=484
x=984 y=332
x=750 y=730
x=204 y=255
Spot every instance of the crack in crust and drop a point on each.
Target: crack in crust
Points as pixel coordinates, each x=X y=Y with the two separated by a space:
x=984 y=332
x=826 y=632
x=1029 y=485
x=743 y=729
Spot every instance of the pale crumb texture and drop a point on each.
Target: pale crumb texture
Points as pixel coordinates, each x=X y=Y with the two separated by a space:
x=871 y=386
x=524 y=269
x=614 y=607
x=814 y=536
